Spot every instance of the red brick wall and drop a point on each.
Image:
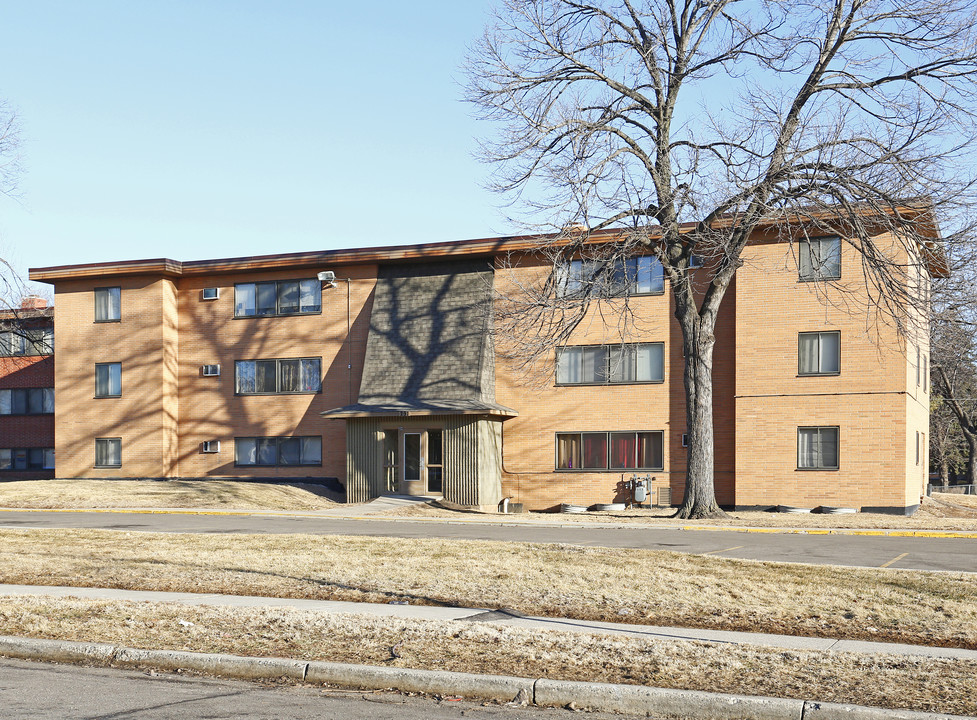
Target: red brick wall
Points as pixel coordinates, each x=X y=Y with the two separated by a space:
x=26 y=431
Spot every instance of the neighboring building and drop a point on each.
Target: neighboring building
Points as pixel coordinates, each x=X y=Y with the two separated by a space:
x=27 y=391
x=387 y=379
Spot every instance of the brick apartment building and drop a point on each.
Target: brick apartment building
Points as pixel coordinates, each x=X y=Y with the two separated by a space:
x=27 y=391
x=387 y=379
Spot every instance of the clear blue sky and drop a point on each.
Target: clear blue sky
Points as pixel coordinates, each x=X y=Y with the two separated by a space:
x=196 y=129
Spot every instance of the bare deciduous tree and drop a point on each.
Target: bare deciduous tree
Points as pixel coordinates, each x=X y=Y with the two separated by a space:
x=684 y=126
x=953 y=352
x=15 y=320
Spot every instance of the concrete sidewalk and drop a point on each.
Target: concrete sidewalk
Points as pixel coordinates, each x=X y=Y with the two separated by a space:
x=504 y=617
x=379 y=508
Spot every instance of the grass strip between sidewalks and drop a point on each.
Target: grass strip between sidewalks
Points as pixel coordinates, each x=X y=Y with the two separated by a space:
x=937 y=685
x=587 y=583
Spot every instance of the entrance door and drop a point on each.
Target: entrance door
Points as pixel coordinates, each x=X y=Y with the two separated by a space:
x=413 y=458
x=422 y=466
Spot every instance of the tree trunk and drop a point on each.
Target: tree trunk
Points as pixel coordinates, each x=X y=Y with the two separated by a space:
x=972 y=456
x=944 y=472
x=699 y=339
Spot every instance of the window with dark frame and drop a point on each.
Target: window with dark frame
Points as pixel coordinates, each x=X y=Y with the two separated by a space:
x=598 y=451
x=281 y=297
x=278 y=451
x=26 y=459
x=632 y=276
x=614 y=364
x=108 y=304
x=108 y=452
x=108 y=380
x=819 y=353
x=27 y=341
x=817 y=448
x=281 y=376
x=27 y=401
x=819 y=258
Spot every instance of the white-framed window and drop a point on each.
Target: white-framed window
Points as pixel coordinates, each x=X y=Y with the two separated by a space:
x=210 y=446
x=279 y=376
x=685 y=439
x=210 y=370
x=108 y=452
x=282 y=297
x=819 y=258
x=27 y=401
x=633 y=276
x=210 y=293
x=108 y=379
x=615 y=364
x=108 y=304
x=817 y=448
x=26 y=459
x=819 y=353
x=275 y=451
x=610 y=450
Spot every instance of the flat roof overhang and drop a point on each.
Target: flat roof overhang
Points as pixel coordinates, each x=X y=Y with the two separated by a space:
x=428 y=252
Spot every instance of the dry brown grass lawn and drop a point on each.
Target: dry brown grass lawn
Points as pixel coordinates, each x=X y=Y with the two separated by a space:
x=622 y=585
x=931 y=516
x=936 y=685
x=966 y=501
x=202 y=494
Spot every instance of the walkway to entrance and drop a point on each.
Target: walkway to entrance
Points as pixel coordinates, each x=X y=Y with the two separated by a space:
x=377 y=505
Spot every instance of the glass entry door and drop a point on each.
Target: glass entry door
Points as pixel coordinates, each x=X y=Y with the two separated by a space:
x=413 y=459
x=421 y=466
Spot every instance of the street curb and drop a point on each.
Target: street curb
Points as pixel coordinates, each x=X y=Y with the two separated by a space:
x=600 y=697
x=437 y=682
x=641 y=700
x=597 y=525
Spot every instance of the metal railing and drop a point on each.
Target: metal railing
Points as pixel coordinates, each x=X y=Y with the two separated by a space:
x=952 y=489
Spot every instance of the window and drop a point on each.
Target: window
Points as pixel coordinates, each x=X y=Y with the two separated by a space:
x=685 y=440
x=39 y=341
x=108 y=452
x=601 y=364
x=817 y=448
x=609 y=450
x=210 y=446
x=26 y=458
x=634 y=276
x=211 y=293
x=270 y=451
x=257 y=377
x=820 y=258
x=108 y=304
x=108 y=380
x=285 y=297
x=210 y=370
x=919 y=366
x=27 y=401
x=819 y=353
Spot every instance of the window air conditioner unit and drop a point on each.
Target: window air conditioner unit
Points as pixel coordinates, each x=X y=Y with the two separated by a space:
x=210 y=293
x=211 y=446
x=211 y=370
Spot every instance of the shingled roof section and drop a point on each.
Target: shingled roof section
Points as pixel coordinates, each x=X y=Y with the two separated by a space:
x=429 y=349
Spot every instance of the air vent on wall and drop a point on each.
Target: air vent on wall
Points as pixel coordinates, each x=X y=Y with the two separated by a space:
x=210 y=293
x=211 y=370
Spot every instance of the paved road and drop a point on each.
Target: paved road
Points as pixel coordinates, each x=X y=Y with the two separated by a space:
x=920 y=553
x=39 y=691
